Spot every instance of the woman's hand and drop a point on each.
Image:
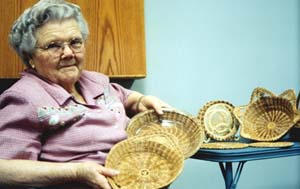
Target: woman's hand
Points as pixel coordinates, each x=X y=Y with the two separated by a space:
x=138 y=102
x=151 y=102
x=40 y=174
x=94 y=175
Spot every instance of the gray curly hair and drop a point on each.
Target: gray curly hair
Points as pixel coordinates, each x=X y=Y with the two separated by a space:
x=22 y=35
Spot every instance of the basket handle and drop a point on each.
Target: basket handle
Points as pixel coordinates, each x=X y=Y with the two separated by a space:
x=260 y=92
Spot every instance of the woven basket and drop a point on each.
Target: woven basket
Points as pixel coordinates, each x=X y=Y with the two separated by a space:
x=266 y=119
x=218 y=121
x=143 y=164
x=280 y=144
x=186 y=129
x=224 y=145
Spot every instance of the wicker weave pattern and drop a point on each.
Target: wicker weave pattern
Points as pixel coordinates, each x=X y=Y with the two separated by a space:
x=164 y=138
x=218 y=121
x=187 y=130
x=291 y=96
x=143 y=164
x=266 y=119
x=141 y=121
x=260 y=92
x=288 y=94
x=148 y=129
x=224 y=145
x=280 y=144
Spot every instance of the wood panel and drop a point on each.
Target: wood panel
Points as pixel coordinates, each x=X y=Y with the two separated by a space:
x=9 y=65
x=116 y=45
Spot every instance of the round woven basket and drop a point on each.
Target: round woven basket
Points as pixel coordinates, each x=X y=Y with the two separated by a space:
x=186 y=129
x=218 y=120
x=266 y=119
x=143 y=164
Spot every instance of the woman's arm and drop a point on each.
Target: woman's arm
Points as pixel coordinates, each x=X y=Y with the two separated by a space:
x=37 y=173
x=138 y=102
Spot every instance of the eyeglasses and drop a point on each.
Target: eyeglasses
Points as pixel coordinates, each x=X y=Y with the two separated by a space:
x=57 y=47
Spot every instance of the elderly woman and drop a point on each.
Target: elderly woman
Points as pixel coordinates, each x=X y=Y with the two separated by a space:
x=58 y=122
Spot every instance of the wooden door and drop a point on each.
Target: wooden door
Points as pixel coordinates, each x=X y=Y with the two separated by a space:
x=116 y=45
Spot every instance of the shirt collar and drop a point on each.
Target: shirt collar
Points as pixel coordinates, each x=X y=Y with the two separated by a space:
x=95 y=86
x=89 y=85
x=58 y=93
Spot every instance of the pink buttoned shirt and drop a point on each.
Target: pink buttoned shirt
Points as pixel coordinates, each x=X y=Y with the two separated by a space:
x=39 y=120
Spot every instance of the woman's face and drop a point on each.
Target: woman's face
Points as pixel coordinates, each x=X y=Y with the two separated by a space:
x=60 y=51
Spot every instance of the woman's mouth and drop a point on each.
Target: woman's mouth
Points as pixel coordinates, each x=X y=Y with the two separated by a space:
x=67 y=64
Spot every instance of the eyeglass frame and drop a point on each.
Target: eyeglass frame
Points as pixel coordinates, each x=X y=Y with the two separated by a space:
x=60 y=45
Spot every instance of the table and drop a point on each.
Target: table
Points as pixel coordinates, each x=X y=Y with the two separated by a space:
x=226 y=158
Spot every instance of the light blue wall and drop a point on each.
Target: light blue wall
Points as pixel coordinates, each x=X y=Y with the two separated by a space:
x=202 y=50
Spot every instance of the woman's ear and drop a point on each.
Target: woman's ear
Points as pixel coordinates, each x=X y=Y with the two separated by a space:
x=31 y=63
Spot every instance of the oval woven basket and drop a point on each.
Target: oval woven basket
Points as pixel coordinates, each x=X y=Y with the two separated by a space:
x=218 y=120
x=186 y=129
x=266 y=119
x=143 y=164
x=224 y=145
x=280 y=144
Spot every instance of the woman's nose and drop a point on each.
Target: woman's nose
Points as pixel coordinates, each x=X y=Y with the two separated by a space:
x=67 y=51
